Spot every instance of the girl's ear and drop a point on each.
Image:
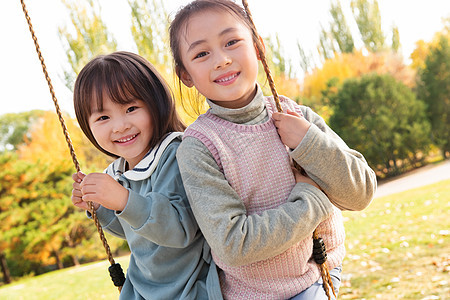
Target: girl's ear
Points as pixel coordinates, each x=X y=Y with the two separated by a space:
x=263 y=46
x=185 y=77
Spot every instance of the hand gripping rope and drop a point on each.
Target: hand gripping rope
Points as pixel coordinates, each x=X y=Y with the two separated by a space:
x=319 y=250
x=115 y=269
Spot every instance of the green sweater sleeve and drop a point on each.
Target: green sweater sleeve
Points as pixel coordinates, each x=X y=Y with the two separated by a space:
x=109 y=222
x=341 y=172
x=238 y=239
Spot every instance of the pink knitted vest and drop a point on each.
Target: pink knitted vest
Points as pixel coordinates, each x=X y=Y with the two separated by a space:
x=256 y=164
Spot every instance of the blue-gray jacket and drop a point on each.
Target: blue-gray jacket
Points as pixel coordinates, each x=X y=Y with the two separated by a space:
x=170 y=258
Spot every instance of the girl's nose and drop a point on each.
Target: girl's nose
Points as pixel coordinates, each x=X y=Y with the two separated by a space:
x=222 y=60
x=120 y=125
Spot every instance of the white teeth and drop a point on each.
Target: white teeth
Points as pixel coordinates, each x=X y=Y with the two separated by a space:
x=227 y=78
x=127 y=139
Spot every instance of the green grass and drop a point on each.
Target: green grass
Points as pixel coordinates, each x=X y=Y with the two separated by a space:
x=397 y=248
x=86 y=282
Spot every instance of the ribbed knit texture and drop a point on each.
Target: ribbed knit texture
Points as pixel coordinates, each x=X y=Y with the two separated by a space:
x=256 y=164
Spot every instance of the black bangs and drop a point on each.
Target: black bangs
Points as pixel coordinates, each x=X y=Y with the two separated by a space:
x=114 y=83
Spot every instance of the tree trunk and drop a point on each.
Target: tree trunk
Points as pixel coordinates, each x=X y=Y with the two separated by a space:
x=75 y=260
x=5 y=269
x=446 y=152
x=58 y=260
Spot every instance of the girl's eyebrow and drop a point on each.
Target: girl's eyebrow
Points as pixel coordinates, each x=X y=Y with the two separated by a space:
x=198 y=42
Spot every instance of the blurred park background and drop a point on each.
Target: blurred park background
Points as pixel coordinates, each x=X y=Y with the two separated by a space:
x=394 y=109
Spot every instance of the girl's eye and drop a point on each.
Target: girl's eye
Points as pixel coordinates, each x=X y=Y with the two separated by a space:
x=231 y=43
x=131 y=109
x=201 y=54
x=102 y=118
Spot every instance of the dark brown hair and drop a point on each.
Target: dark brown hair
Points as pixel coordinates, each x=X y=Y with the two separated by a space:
x=123 y=77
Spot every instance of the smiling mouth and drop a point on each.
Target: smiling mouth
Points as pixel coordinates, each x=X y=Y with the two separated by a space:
x=228 y=78
x=127 y=139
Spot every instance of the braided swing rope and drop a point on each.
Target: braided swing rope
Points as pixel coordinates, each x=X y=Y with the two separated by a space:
x=327 y=283
x=115 y=269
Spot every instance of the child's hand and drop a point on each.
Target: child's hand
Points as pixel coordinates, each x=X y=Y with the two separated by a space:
x=291 y=127
x=103 y=189
x=301 y=178
x=76 y=192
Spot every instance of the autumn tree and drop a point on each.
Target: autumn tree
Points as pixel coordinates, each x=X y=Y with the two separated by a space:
x=381 y=117
x=149 y=28
x=5 y=269
x=434 y=89
x=45 y=142
x=26 y=210
x=38 y=223
x=368 y=18
x=11 y=179
x=40 y=227
x=340 y=59
x=423 y=48
x=6 y=202
x=349 y=65
x=337 y=38
x=87 y=38
x=14 y=127
x=395 y=46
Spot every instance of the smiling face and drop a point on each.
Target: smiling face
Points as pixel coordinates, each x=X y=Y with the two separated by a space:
x=219 y=58
x=122 y=129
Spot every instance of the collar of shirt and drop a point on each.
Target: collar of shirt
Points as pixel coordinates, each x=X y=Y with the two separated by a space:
x=251 y=114
x=145 y=168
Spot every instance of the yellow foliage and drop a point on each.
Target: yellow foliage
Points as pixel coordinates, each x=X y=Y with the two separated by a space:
x=391 y=63
x=289 y=87
x=46 y=142
x=189 y=104
x=348 y=65
x=342 y=66
x=419 y=54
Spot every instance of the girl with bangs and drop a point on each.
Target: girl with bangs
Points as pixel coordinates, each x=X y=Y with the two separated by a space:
x=126 y=110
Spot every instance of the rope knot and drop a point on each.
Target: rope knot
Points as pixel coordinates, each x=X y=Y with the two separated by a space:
x=319 y=251
x=117 y=275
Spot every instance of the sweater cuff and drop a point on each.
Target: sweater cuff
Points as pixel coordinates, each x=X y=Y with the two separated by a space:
x=320 y=197
x=105 y=216
x=307 y=144
x=137 y=211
